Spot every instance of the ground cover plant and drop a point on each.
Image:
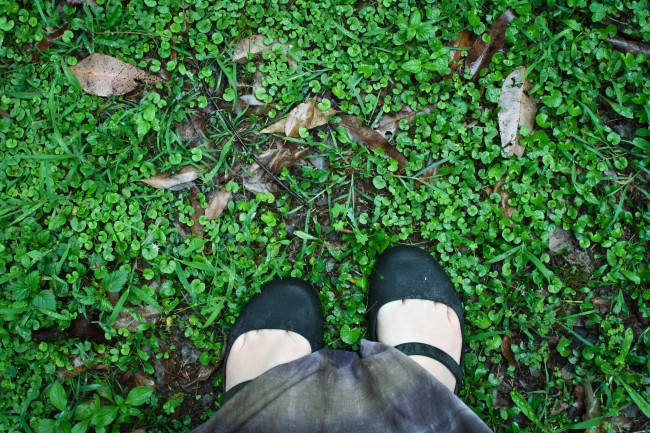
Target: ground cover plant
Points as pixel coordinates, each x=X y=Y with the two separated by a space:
x=161 y=159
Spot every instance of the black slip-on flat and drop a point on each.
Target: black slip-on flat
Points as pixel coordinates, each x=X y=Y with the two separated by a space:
x=289 y=304
x=407 y=272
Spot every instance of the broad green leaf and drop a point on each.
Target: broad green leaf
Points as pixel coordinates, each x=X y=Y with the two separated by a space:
x=413 y=66
x=58 y=397
x=45 y=300
x=637 y=398
x=139 y=395
x=80 y=427
x=115 y=281
x=525 y=407
x=349 y=335
x=304 y=236
x=104 y=416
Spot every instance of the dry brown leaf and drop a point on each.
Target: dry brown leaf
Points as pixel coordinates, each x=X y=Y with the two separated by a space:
x=517 y=110
x=197 y=228
x=464 y=41
x=217 y=204
x=78 y=366
x=193 y=131
x=480 y=54
x=563 y=241
x=389 y=123
x=250 y=45
x=181 y=180
x=259 y=181
x=104 y=75
x=47 y=42
x=366 y=136
x=131 y=318
x=505 y=196
x=142 y=379
x=506 y=350
x=251 y=105
x=305 y=115
x=4 y=113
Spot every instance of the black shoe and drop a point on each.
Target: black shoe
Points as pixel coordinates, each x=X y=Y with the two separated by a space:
x=406 y=272
x=289 y=304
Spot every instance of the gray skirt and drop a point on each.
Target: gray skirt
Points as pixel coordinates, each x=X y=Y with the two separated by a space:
x=379 y=390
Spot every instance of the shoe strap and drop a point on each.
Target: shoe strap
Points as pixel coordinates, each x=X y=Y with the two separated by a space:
x=432 y=352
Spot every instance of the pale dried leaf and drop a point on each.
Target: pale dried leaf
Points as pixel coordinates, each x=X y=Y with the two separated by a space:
x=389 y=123
x=298 y=118
x=480 y=54
x=185 y=176
x=563 y=242
x=205 y=371
x=259 y=181
x=142 y=379
x=517 y=110
x=217 y=204
x=251 y=105
x=253 y=45
x=104 y=75
x=505 y=196
x=193 y=131
x=131 y=318
x=366 y=136
x=305 y=115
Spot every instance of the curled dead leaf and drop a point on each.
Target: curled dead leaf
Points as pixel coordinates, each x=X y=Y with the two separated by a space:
x=305 y=115
x=181 y=180
x=505 y=196
x=217 y=204
x=104 y=75
x=142 y=379
x=251 y=105
x=517 y=110
x=480 y=54
x=464 y=41
x=259 y=181
x=366 y=136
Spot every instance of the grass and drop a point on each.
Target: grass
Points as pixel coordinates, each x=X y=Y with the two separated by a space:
x=81 y=237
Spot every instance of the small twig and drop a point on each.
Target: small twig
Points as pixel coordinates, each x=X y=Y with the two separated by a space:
x=629 y=46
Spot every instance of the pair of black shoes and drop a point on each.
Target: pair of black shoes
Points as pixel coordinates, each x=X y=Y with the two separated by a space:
x=401 y=272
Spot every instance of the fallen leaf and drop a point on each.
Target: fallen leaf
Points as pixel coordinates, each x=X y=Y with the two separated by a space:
x=193 y=131
x=4 y=113
x=249 y=104
x=205 y=371
x=141 y=379
x=305 y=115
x=389 y=123
x=104 y=75
x=505 y=196
x=253 y=45
x=47 y=42
x=82 y=2
x=79 y=366
x=131 y=318
x=258 y=180
x=480 y=54
x=83 y=327
x=517 y=110
x=455 y=56
x=181 y=180
x=366 y=136
x=197 y=227
x=506 y=350
x=217 y=204
x=563 y=242
x=629 y=46
x=592 y=406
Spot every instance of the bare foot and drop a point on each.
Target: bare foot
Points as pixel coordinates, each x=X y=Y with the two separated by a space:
x=255 y=352
x=423 y=321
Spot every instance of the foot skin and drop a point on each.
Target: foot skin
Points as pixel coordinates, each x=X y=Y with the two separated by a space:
x=422 y=321
x=255 y=352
